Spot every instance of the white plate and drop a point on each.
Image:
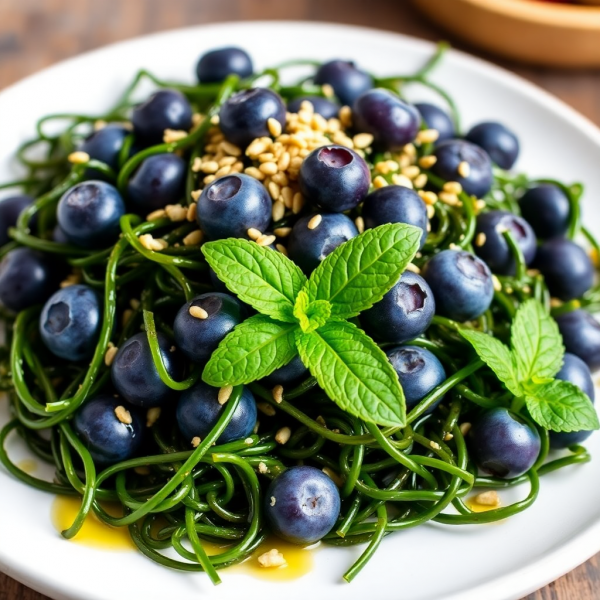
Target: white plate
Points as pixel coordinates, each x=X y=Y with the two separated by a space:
x=496 y=562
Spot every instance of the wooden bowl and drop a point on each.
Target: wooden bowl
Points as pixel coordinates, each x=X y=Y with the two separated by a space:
x=542 y=33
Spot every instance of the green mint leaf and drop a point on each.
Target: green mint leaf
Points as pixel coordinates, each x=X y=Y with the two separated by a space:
x=561 y=406
x=311 y=315
x=536 y=343
x=263 y=278
x=497 y=357
x=361 y=271
x=354 y=372
x=253 y=350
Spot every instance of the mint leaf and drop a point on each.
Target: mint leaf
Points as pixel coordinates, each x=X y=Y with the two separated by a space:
x=536 y=343
x=259 y=276
x=311 y=315
x=561 y=406
x=497 y=357
x=354 y=372
x=253 y=350
x=361 y=271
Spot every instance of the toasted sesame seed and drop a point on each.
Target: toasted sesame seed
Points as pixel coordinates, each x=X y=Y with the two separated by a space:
x=258 y=147
x=362 y=140
x=496 y=283
x=455 y=247
x=465 y=428
x=196 y=441
x=402 y=180
x=360 y=224
x=453 y=187
x=434 y=445
x=281 y=248
x=428 y=197
x=386 y=166
x=266 y=157
x=274 y=127
x=278 y=394
x=283 y=435
x=150 y=243
x=480 y=239
x=224 y=394
x=411 y=171
x=321 y=421
x=171 y=136
x=274 y=190
x=266 y=240
x=315 y=222
x=287 y=196
x=273 y=501
x=464 y=169
x=430 y=211
x=297 y=203
x=123 y=415
x=209 y=179
x=254 y=172
x=272 y=558
x=253 y=233
x=193 y=238
x=110 y=354
x=428 y=136
x=533 y=272
x=156 y=214
x=480 y=205
x=280 y=179
x=198 y=312
x=426 y=162
x=266 y=408
x=152 y=415
x=420 y=181
x=99 y=124
x=229 y=148
x=223 y=171
x=172 y=349
x=489 y=498
x=209 y=167
x=339 y=137
x=379 y=182
x=555 y=302
x=195 y=194
x=268 y=168
x=249 y=441
x=79 y=158
x=278 y=210
x=339 y=482
x=284 y=161
x=345 y=116
x=176 y=212
x=127 y=314
x=448 y=436
x=449 y=199
x=413 y=268
x=142 y=470
x=72 y=279
x=262 y=468
x=327 y=90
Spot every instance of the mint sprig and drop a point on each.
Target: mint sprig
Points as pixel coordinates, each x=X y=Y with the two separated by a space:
x=528 y=367
x=307 y=317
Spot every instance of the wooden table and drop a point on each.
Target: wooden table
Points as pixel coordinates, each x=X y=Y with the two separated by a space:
x=37 y=33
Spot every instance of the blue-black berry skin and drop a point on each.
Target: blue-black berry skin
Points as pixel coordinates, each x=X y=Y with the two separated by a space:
x=89 y=214
x=498 y=141
x=325 y=107
x=451 y=153
x=70 y=322
x=348 y=81
x=404 y=313
x=289 y=374
x=578 y=373
x=108 y=440
x=419 y=372
x=244 y=116
x=302 y=505
x=136 y=378
x=26 y=278
x=461 y=283
x=105 y=145
x=546 y=208
x=231 y=205
x=395 y=204
x=502 y=444
x=10 y=209
x=214 y=66
x=308 y=247
x=495 y=250
x=334 y=178
x=199 y=338
x=198 y=411
x=438 y=119
x=165 y=109
x=581 y=336
x=567 y=269
x=392 y=122
x=158 y=181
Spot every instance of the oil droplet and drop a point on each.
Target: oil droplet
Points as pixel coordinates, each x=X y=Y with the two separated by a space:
x=478 y=508
x=94 y=532
x=28 y=465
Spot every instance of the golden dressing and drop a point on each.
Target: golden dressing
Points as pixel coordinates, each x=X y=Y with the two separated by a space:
x=28 y=465
x=478 y=508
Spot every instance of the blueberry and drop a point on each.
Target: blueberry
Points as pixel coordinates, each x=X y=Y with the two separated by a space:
x=302 y=505
x=578 y=373
x=58 y=235
x=26 y=278
x=216 y=282
x=158 y=181
x=392 y=122
x=395 y=204
x=198 y=411
x=243 y=117
x=89 y=214
x=404 y=313
x=165 y=109
x=134 y=375
x=347 y=81
x=308 y=247
x=498 y=141
x=566 y=267
x=199 y=338
x=328 y=109
x=419 y=372
x=216 y=65
x=502 y=444
x=581 y=336
x=70 y=322
x=438 y=119
x=461 y=284
x=289 y=374
x=10 y=209
x=107 y=438
x=231 y=205
x=546 y=208
x=334 y=178
x=105 y=145
x=495 y=251
x=451 y=153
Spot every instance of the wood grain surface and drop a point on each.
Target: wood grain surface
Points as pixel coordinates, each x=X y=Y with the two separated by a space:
x=38 y=33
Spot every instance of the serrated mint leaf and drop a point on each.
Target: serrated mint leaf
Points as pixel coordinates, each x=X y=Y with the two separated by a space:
x=536 y=342
x=266 y=280
x=361 y=271
x=253 y=350
x=496 y=356
x=354 y=372
x=561 y=406
x=311 y=315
